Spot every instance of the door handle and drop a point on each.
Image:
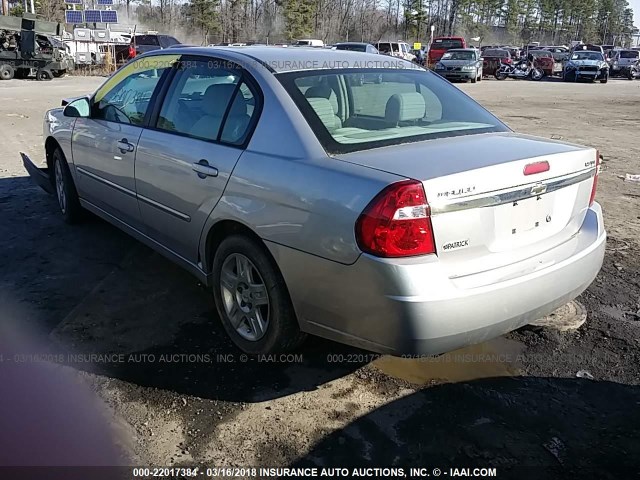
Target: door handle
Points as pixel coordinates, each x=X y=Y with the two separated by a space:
x=125 y=146
x=204 y=170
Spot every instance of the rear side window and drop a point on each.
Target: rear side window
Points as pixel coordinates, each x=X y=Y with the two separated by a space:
x=629 y=54
x=208 y=103
x=384 y=47
x=357 y=109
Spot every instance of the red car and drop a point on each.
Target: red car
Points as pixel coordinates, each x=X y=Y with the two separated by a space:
x=441 y=45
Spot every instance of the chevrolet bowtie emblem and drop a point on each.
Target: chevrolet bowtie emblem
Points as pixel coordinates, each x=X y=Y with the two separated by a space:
x=538 y=189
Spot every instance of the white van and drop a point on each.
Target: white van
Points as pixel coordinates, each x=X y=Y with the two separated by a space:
x=396 y=49
x=309 y=43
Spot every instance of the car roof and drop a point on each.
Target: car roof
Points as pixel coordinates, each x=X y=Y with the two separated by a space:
x=279 y=60
x=461 y=50
x=353 y=43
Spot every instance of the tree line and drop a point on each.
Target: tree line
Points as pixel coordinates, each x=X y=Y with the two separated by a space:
x=272 y=21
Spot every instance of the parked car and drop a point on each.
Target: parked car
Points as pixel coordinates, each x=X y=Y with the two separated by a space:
x=545 y=61
x=309 y=42
x=143 y=43
x=492 y=58
x=441 y=45
x=395 y=49
x=397 y=215
x=460 y=64
x=356 y=47
x=586 y=65
x=622 y=60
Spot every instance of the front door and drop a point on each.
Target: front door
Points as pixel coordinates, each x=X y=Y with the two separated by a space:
x=104 y=145
x=185 y=158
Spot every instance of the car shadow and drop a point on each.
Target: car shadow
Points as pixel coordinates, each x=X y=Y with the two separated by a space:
x=109 y=305
x=525 y=427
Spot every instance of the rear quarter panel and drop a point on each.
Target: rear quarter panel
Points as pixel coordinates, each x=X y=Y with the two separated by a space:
x=288 y=190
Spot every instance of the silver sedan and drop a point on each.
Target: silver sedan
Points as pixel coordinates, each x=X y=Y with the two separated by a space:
x=347 y=195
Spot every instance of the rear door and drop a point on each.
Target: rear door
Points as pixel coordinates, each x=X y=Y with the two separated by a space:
x=104 y=145
x=187 y=155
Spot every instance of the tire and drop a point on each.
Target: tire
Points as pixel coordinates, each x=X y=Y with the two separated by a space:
x=474 y=79
x=7 y=72
x=480 y=78
x=500 y=76
x=241 y=261
x=65 y=189
x=58 y=73
x=536 y=75
x=43 y=74
x=605 y=79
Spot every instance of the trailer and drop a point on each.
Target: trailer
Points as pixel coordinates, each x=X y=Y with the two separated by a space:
x=28 y=47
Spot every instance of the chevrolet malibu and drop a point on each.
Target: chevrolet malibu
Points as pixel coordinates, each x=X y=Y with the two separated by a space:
x=338 y=194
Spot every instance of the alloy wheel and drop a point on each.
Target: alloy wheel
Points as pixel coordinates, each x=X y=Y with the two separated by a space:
x=245 y=297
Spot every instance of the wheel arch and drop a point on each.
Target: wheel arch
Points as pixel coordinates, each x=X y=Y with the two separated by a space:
x=221 y=230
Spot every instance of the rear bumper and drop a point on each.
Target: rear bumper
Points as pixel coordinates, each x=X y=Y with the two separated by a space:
x=412 y=307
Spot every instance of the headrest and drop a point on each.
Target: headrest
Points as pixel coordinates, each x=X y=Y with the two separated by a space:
x=322 y=91
x=403 y=107
x=216 y=98
x=324 y=110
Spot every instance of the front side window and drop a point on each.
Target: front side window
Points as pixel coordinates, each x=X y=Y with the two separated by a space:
x=384 y=107
x=209 y=102
x=126 y=96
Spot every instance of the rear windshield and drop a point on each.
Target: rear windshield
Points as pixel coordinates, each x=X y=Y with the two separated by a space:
x=446 y=44
x=147 y=40
x=629 y=54
x=459 y=56
x=353 y=48
x=358 y=109
x=496 y=53
x=386 y=47
x=586 y=56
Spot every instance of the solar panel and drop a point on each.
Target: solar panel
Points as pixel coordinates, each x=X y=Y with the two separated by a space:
x=105 y=2
x=73 y=16
x=109 y=16
x=92 y=16
x=73 y=2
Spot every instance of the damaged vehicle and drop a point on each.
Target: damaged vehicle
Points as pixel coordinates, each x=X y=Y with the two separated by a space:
x=399 y=215
x=586 y=65
x=28 y=48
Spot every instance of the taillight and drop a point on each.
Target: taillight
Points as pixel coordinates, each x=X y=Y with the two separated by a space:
x=595 y=180
x=507 y=60
x=397 y=222
x=132 y=51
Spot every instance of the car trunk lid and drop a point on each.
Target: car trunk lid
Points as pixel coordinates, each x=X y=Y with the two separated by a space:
x=486 y=212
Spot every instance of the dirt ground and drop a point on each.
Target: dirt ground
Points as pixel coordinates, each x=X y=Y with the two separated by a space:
x=143 y=335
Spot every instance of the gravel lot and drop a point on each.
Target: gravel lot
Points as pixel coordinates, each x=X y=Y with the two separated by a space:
x=177 y=393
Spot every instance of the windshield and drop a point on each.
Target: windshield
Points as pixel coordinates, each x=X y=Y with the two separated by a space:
x=496 y=53
x=353 y=48
x=358 y=109
x=446 y=44
x=459 y=56
x=586 y=56
x=629 y=54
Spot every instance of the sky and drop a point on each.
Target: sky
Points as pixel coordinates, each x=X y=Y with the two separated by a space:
x=635 y=4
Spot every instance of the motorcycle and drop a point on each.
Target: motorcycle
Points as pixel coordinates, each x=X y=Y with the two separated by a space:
x=631 y=71
x=519 y=71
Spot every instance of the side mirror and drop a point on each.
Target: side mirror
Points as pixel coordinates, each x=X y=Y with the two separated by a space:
x=79 y=108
